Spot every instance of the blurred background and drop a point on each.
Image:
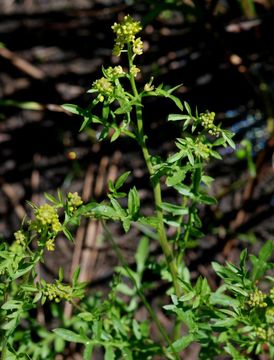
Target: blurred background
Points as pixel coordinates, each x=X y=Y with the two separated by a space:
x=50 y=53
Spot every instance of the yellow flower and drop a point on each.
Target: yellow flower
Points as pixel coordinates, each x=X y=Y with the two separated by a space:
x=74 y=201
x=103 y=86
x=134 y=70
x=47 y=215
x=125 y=34
x=50 y=245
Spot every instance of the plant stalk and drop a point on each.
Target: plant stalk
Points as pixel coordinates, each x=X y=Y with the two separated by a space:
x=167 y=250
x=139 y=291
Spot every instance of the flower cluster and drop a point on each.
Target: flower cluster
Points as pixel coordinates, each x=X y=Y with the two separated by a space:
x=256 y=299
x=261 y=333
x=271 y=294
x=50 y=245
x=134 y=70
x=207 y=120
x=46 y=216
x=74 y=201
x=104 y=88
x=58 y=292
x=20 y=237
x=201 y=149
x=269 y=314
x=125 y=34
x=114 y=72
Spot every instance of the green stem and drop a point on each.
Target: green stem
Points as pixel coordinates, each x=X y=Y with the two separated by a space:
x=156 y=186
x=139 y=291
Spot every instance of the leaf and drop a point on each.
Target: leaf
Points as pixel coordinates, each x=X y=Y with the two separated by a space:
x=76 y=274
x=109 y=354
x=260 y=264
x=170 y=91
x=74 y=109
x=121 y=180
x=190 y=157
x=71 y=336
x=177 y=101
x=67 y=233
x=225 y=323
x=142 y=254
x=177 y=117
x=188 y=109
x=123 y=109
x=177 y=156
x=133 y=203
x=125 y=289
x=25 y=268
x=85 y=123
x=152 y=221
x=12 y=304
x=51 y=198
x=208 y=200
x=227 y=135
x=196 y=179
x=174 y=209
x=88 y=351
x=182 y=343
x=118 y=208
x=177 y=177
x=126 y=224
x=266 y=251
x=184 y=190
x=115 y=135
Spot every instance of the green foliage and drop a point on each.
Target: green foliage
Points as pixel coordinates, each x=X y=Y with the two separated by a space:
x=235 y=320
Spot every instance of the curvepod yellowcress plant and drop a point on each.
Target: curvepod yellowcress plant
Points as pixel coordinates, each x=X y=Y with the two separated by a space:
x=235 y=320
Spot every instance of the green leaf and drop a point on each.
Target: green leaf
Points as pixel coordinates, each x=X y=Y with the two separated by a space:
x=99 y=211
x=142 y=254
x=121 y=180
x=227 y=135
x=184 y=190
x=188 y=109
x=88 y=351
x=74 y=109
x=177 y=177
x=71 y=336
x=12 y=304
x=125 y=289
x=118 y=209
x=51 y=198
x=25 y=268
x=177 y=156
x=196 y=179
x=109 y=353
x=115 y=135
x=221 y=299
x=190 y=157
x=174 y=209
x=85 y=123
x=177 y=101
x=177 y=117
x=182 y=343
x=126 y=224
x=133 y=203
x=208 y=200
x=266 y=251
x=170 y=91
x=225 y=323
x=67 y=233
x=123 y=109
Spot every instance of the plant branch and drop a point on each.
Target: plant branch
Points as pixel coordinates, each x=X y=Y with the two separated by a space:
x=167 y=250
x=139 y=291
